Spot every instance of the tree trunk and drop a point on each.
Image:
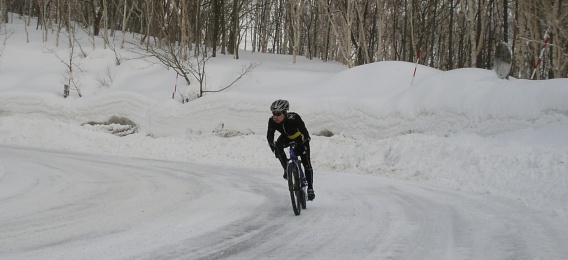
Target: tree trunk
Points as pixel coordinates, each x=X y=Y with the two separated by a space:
x=506 y=21
x=98 y=14
x=450 y=65
x=4 y=14
x=215 y=34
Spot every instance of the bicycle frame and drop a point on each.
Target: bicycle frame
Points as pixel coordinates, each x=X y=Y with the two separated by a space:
x=296 y=161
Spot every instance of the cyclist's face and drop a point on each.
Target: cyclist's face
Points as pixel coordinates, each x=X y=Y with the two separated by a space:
x=278 y=117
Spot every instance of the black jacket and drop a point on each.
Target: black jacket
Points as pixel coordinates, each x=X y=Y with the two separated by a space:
x=292 y=127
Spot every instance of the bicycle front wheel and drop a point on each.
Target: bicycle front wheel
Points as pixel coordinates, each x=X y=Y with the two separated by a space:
x=294 y=187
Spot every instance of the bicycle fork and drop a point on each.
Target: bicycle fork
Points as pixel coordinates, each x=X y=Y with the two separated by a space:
x=297 y=174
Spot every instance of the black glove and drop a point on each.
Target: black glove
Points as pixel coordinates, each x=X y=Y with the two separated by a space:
x=272 y=146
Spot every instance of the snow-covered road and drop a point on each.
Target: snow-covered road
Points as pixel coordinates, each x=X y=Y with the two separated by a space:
x=59 y=205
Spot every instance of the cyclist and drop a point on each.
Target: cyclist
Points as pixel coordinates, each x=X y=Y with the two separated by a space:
x=291 y=128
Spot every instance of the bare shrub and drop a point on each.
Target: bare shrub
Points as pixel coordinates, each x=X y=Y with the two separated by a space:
x=325 y=133
x=226 y=133
x=116 y=125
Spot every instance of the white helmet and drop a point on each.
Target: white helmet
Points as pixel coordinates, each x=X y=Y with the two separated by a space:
x=280 y=105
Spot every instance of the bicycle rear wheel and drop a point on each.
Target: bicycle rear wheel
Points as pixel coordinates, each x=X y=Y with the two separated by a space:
x=294 y=187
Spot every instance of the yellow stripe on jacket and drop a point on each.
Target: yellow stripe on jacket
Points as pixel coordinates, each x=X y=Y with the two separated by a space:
x=294 y=136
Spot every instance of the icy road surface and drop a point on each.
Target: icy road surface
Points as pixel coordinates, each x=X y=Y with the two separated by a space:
x=59 y=205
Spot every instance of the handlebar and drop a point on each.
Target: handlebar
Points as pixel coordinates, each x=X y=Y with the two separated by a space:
x=290 y=144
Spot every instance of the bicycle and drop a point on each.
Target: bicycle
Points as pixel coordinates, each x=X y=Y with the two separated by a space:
x=297 y=183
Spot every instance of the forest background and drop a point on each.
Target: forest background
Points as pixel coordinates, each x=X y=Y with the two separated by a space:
x=442 y=34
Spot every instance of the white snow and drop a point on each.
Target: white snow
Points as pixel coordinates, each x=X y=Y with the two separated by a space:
x=463 y=132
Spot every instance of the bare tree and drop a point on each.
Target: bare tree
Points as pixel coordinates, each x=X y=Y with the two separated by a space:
x=245 y=70
x=341 y=19
x=3 y=12
x=71 y=77
x=6 y=35
x=451 y=33
x=557 y=22
x=126 y=15
x=294 y=9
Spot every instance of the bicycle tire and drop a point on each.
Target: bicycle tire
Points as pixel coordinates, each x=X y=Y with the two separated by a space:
x=302 y=194
x=303 y=198
x=292 y=186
